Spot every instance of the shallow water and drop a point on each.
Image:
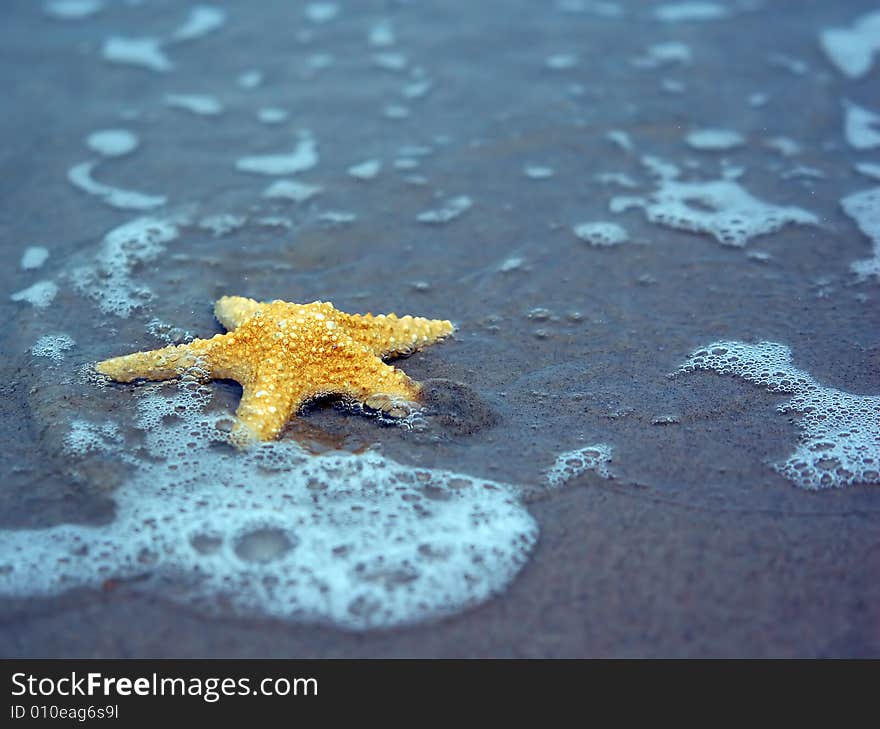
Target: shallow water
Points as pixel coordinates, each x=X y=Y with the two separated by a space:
x=454 y=154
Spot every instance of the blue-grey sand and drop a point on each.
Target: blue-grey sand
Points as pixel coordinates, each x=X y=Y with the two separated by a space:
x=655 y=226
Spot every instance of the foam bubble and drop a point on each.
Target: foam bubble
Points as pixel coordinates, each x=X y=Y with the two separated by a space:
x=108 y=281
x=691 y=11
x=201 y=104
x=381 y=35
x=714 y=140
x=355 y=540
x=321 y=12
x=112 y=142
x=840 y=432
x=292 y=190
x=721 y=208
x=33 y=257
x=862 y=127
x=250 y=79
x=72 y=9
x=662 y=54
x=852 y=49
x=337 y=217
x=538 y=172
x=864 y=208
x=145 y=52
x=601 y=234
x=222 y=224
x=365 y=170
x=41 y=294
x=417 y=89
x=202 y=20
x=571 y=464
x=452 y=209
x=395 y=111
x=514 y=263
x=390 y=61
x=272 y=115
x=869 y=169
x=561 y=61
x=599 y=8
x=621 y=138
x=80 y=176
x=304 y=157
x=53 y=346
x=786 y=146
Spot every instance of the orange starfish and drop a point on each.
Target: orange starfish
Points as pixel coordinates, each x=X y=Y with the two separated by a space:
x=285 y=354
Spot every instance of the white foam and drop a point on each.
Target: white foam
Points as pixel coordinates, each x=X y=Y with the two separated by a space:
x=108 y=281
x=294 y=190
x=200 y=104
x=862 y=127
x=41 y=294
x=337 y=217
x=168 y=333
x=621 y=138
x=864 y=208
x=321 y=12
x=840 y=432
x=250 y=79
x=792 y=65
x=80 y=176
x=869 y=169
x=202 y=20
x=72 y=9
x=366 y=170
x=538 y=172
x=663 y=54
x=272 y=115
x=571 y=464
x=354 y=540
x=417 y=89
x=721 y=208
x=616 y=178
x=381 y=35
x=561 y=61
x=714 y=140
x=390 y=61
x=853 y=49
x=599 y=8
x=318 y=62
x=450 y=210
x=33 y=257
x=53 y=346
x=514 y=263
x=601 y=234
x=143 y=52
x=786 y=146
x=112 y=142
x=304 y=157
x=395 y=111
x=691 y=11
x=222 y=224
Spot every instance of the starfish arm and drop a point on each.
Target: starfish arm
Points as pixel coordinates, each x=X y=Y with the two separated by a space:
x=388 y=334
x=381 y=387
x=161 y=364
x=233 y=311
x=264 y=409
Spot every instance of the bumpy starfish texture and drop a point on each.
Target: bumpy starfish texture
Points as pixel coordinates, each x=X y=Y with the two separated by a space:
x=284 y=354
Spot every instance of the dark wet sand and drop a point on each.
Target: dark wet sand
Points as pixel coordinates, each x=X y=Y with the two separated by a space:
x=697 y=547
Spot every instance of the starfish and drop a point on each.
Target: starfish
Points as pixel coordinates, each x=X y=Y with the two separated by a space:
x=285 y=354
